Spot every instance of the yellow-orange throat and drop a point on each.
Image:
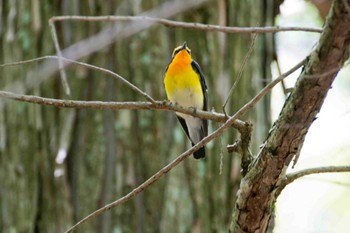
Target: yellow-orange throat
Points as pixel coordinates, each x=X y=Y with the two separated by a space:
x=182 y=83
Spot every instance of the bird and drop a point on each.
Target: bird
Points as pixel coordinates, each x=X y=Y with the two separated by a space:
x=185 y=85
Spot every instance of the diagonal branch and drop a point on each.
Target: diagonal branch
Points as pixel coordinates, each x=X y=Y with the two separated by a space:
x=240 y=72
x=60 y=62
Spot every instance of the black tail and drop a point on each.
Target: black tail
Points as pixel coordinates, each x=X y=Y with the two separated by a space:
x=199 y=153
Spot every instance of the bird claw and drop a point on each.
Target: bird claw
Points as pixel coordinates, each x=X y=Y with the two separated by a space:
x=194 y=109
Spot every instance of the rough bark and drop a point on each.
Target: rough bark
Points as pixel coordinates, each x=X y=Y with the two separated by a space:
x=257 y=190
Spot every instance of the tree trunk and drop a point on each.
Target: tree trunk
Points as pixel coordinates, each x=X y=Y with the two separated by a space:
x=257 y=190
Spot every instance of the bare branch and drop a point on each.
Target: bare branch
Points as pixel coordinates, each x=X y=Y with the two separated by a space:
x=195 y=26
x=285 y=90
x=103 y=70
x=112 y=33
x=60 y=62
x=273 y=83
x=289 y=178
x=105 y=37
x=240 y=73
x=317 y=170
x=160 y=105
x=190 y=151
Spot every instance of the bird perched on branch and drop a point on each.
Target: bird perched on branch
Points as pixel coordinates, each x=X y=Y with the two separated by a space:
x=185 y=85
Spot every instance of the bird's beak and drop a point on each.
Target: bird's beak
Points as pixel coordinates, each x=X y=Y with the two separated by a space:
x=184 y=45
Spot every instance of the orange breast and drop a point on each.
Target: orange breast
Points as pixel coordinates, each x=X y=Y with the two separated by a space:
x=180 y=64
x=182 y=83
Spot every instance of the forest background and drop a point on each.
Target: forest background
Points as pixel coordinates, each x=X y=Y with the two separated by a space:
x=58 y=165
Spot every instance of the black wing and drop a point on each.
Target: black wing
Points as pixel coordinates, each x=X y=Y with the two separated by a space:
x=196 y=68
x=184 y=126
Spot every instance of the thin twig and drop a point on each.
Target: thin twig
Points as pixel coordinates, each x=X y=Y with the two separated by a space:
x=196 y=26
x=325 y=74
x=279 y=73
x=221 y=164
x=273 y=83
x=187 y=153
x=106 y=36
x=112 y=34
x=60 y=63
x=329 y=169
x=115 y=75
x=239 y=76
x=289 y=178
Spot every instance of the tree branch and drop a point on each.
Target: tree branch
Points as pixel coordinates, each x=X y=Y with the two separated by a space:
x=60 y=62
x=105 y=37
x=103 y=70
x=194 y=26
x=130 y=105
x=240 y=72
x=112 y=33
x=289 y=178
x=162 y=105
x=258 y=188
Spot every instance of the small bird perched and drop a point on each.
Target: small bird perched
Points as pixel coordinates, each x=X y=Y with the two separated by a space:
x=185 y=85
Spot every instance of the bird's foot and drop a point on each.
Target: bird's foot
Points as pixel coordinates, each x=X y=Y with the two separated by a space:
x=194 y=110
